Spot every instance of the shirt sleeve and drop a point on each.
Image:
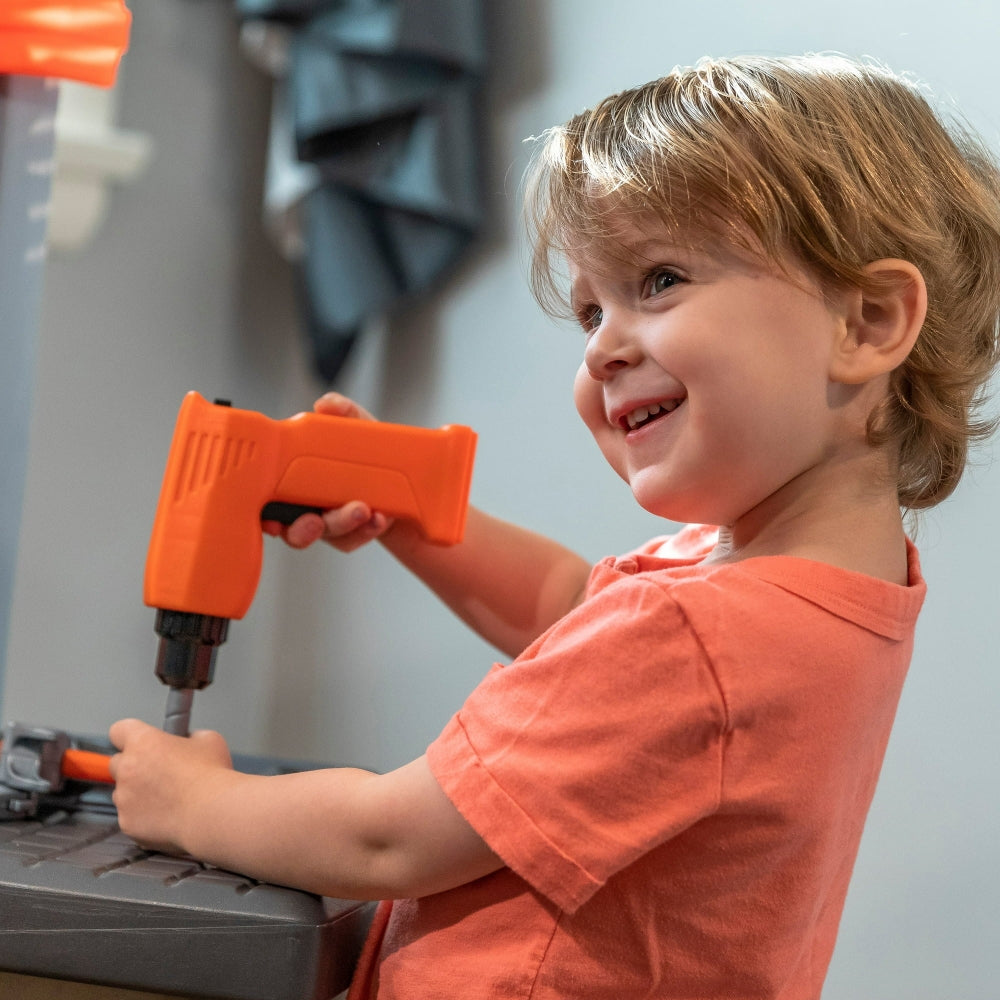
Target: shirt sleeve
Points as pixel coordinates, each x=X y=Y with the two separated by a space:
x=601 y=741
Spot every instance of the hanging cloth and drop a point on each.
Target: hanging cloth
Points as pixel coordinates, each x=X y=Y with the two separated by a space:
x=373 y=172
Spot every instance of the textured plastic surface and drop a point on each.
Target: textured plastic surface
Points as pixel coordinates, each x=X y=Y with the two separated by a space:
x=81 y=901
x=225 y=465
x=71 y=39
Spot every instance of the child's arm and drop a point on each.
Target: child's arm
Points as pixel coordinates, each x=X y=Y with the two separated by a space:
x=344 y=832
x=508 y=584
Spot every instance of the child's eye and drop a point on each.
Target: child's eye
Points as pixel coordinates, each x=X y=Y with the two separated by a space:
x=591 y=318
x=660 y=281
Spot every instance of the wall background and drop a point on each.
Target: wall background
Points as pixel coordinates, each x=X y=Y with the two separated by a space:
x=345 y=659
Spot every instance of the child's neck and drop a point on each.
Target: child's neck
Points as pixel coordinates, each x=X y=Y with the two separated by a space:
x=845 y=516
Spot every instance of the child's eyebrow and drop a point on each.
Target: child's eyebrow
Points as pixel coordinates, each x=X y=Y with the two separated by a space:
x=663 y=249
x=648 y=249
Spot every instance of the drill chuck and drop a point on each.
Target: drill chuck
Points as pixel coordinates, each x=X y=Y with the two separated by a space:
x=188 y=644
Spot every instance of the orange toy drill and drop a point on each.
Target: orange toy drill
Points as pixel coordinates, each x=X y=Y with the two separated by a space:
x=228 y=469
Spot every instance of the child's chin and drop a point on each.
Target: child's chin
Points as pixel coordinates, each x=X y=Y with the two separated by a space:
x=656 y=503
x=670 y=505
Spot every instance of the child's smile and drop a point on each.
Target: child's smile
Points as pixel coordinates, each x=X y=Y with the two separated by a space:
x=645 y=414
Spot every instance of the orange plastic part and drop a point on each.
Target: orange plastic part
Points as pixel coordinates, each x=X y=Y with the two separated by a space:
x=226 y=464
x=80 y=40
x=84 y=765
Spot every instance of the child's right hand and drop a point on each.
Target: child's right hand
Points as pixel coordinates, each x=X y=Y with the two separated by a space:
x=345 y=528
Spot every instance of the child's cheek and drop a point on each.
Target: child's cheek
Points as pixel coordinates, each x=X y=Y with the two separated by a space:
x=588 y=395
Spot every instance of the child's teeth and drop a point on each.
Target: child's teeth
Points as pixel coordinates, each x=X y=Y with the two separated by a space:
x=637 y=416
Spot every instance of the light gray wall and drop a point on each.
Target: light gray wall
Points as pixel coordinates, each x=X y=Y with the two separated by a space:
x=345 y=658
x=27 y=138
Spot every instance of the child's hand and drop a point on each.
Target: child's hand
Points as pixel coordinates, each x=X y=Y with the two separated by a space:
x=345 y=528
x=156 y=778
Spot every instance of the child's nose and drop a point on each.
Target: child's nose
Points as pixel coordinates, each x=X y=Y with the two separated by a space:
x=610 y=348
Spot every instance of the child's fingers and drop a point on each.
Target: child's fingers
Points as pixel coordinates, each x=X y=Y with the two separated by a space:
x=342 y=521
x=353 y=525
x=338 y=405
x=304 y=530
x=346 y=528
x=122 y=731
x=360 y=532
x=309 y=528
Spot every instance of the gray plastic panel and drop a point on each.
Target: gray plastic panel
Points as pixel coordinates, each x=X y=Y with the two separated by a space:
x=81 y=901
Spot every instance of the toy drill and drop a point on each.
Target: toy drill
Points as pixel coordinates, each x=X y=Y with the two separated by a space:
x=229 y=469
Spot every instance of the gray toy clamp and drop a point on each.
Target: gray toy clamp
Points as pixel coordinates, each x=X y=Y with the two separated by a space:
x=30 y=760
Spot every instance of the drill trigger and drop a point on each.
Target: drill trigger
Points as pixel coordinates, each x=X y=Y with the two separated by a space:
x=286 y=513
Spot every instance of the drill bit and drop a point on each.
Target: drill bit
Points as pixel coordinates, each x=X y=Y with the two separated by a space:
x=178 y=717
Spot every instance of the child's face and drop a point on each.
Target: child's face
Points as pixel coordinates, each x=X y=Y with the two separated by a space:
x=705 y=376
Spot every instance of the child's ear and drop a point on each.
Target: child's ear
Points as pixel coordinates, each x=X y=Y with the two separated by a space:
x=881 y=323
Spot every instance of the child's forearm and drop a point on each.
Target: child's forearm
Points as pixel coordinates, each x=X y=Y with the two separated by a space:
x=341 y=832
x=290 y=830
x=507 y=583
x=313 y=831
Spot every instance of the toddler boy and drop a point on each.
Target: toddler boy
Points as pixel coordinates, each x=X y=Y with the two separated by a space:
x=785 y=271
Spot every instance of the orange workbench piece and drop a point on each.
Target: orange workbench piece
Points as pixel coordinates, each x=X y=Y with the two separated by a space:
x=80 y=40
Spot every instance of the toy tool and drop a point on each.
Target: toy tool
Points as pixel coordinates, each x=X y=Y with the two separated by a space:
x=228 y=469
x=36 y=763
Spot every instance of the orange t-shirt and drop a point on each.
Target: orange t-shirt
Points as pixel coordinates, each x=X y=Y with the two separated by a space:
x=676 y=776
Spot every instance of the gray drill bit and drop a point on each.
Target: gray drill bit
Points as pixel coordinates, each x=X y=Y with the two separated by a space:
x=178 y=717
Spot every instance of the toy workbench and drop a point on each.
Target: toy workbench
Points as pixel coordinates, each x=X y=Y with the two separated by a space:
x=80 y=901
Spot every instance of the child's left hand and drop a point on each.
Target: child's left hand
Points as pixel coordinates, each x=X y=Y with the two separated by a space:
x=158 y=779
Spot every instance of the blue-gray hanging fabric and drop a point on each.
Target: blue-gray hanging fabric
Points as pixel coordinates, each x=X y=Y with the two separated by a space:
x=373 y=168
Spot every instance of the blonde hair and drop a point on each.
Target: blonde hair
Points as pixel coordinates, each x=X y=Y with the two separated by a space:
x=837 y=162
